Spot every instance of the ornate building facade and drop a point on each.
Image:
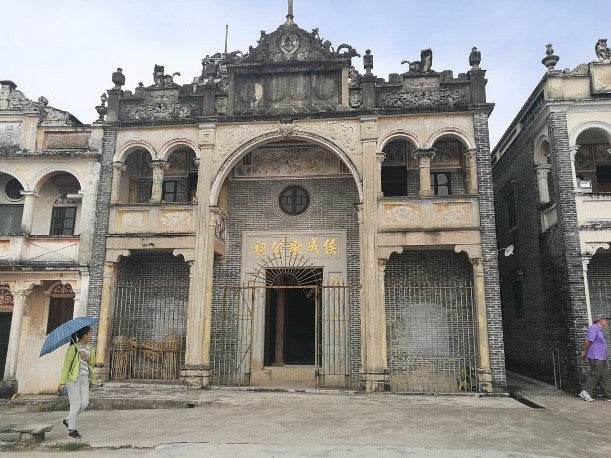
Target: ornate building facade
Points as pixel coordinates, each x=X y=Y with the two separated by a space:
x=285 y=220
x=552 y=178
x=49 y=168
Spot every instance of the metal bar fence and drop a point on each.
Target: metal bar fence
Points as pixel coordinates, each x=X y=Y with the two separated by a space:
x=148 y=331
x=431 y=338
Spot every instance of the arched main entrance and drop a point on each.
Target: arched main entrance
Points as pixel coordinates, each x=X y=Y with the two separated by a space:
x=284 y=310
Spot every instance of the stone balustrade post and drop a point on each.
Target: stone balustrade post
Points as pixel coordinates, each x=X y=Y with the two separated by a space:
x=470 y=157
x=542 y=182
x=27 y=217
x=424 y=163
x=159 y=168
x=118 y=169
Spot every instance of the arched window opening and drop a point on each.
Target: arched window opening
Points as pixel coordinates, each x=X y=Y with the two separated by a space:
x=593 y=162
x=180 y=179
x=397 y=177
x=447 y=173
x=11 y=204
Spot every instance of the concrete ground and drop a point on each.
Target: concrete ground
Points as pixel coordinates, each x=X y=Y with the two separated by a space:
x=250 y=423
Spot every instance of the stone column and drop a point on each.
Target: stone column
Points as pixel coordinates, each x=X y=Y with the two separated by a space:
x=374 y=376
x=12 y=356
x=196 y=370
x=484 y=375
x=104 y=325
x=81 y=295
x=471 y=171
x=542 y=183
x=424 y=163
x=378 y=178
x=28 y=211
x=118 y=169
x=159 y=168
x=572 y=153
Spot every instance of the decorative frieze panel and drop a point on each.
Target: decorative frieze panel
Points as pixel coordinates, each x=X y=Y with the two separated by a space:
x=430 y=99
x=415 y=214
x=153 y=219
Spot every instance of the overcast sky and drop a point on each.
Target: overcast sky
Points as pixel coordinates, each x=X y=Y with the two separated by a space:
x=66 y=50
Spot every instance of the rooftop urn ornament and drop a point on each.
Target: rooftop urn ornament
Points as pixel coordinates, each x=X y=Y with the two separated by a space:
x=368 y=62
x=475 y=58
x=101 y=109
x=118 y=78
x=602 y=51
x=550 y=60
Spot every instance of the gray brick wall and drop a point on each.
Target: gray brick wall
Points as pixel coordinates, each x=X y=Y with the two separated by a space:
x=489 y=245
x=101 y=222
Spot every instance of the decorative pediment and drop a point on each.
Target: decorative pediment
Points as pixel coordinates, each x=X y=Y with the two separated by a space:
x=292 y=43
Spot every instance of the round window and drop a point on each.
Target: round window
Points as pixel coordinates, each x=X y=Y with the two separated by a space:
x=294 y=200
x=12 y=189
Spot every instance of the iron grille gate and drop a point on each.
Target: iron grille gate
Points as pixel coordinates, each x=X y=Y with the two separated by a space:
x=240 y=317
x=431 y=338
x=148 y=331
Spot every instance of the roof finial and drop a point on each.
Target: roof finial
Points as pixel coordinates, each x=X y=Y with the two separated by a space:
x=289 y=16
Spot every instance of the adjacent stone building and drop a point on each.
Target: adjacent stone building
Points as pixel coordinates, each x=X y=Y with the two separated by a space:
x=49 y=168
x=552 y=179
x=286 y=220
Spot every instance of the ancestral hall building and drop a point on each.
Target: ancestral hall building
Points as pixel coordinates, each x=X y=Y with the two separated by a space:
x=287 y=220
x=552 y=178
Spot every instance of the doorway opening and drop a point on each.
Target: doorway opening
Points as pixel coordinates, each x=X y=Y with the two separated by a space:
x=5 y=330
x=290 y=318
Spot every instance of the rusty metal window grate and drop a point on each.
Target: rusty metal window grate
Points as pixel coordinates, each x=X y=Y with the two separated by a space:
x=149 y=328
x=431 y=338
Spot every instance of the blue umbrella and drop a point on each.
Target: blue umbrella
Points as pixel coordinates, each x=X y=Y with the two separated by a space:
x=62 y=334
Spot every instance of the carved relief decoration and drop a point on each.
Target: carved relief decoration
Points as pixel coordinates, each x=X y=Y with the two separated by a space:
x=452 y=212
x=229 y=140
x=401 y=213
x=161 y=109
x=442 y=98
x=17 y=101
x=289 y=162
x=132 y=220
x=291 y=43
x=6 y=298
x=343 y=134
x=176 y=220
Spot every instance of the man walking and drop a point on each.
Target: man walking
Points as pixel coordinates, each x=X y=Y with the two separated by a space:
x=595 y=349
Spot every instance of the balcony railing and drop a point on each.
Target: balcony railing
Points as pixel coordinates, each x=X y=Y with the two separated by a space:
x=38 y=249
x=434 y=213
x=152 y=219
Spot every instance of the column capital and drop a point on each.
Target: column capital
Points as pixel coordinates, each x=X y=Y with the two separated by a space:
x=25 y=193
x=119 y=165
x=478 y=266
x=573 y=151
x=381 y=156
x=159 y=165
x=428 y=153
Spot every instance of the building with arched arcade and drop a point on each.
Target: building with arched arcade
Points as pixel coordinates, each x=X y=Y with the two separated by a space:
x=49 y=168
x=286 y=220
x=552 y=179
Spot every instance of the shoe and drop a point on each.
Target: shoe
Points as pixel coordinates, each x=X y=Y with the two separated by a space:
x=73 y=434
x=65 y=423
x=586 y=396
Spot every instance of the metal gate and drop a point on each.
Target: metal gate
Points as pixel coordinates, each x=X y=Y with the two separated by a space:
x=233 y=337
x=431 y=338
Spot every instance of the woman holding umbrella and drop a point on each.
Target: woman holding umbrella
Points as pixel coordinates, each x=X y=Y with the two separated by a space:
x=77 y=370
x=76 y=374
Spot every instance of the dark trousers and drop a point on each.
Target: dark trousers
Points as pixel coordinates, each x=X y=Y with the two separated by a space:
x=599 y=373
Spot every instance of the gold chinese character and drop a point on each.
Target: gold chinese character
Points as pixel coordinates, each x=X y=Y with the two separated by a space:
x=259 y=249
x=313 y=246
x=278 y=247
x=330 y=247
x=295 y=247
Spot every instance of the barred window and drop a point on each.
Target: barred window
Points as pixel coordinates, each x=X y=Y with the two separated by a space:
x=294 y=200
